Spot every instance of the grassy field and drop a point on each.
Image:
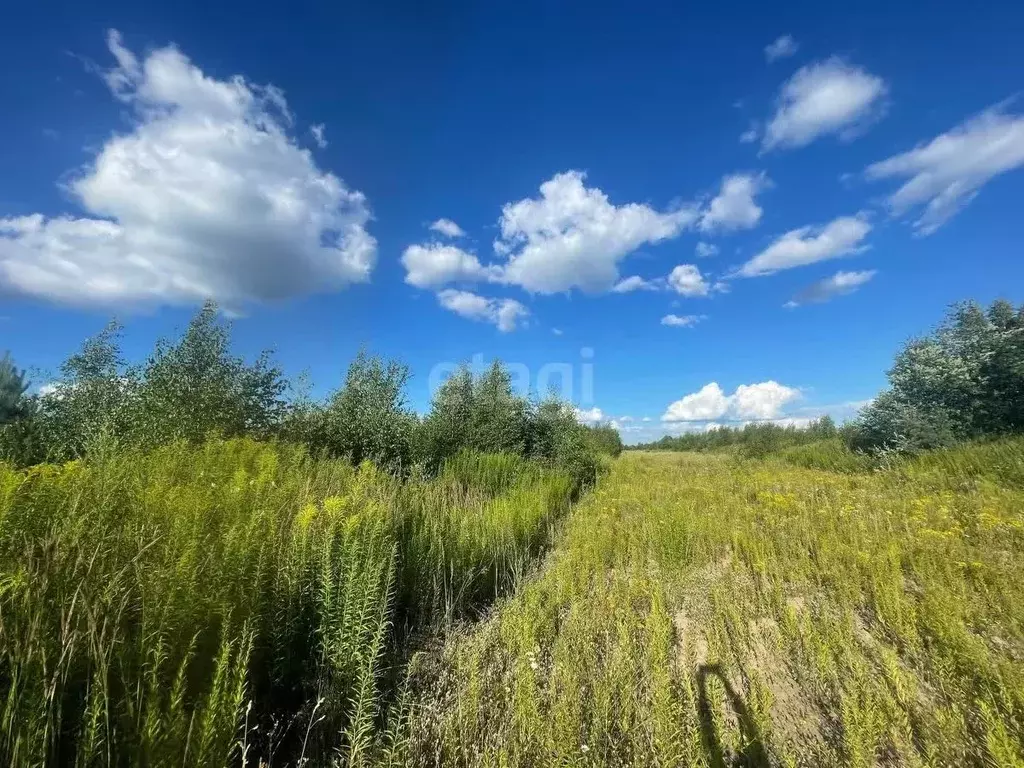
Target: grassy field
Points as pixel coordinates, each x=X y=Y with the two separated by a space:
x=705 y=610
x=241 y=603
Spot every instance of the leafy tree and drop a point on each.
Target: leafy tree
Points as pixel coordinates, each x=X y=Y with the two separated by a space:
x=447 y=428
x=92 y=398
x=964 y=380
x=604 y=438
x=13 y=386
x=195 y=386
x=367 y=418
x=498 y=419
x=1003 y=372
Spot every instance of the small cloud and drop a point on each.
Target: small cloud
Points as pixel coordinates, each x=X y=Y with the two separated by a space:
x=750 y=135
x=589 y=415
x=556 y=331
x=687 y=280
x=734 y=207
x=448 y=228
x=783 y=47
x=840 y=284
x=51 y=134
x=318 y=135
x=682 y=321
x=829 y=97
x=637 y=283
x=706 y=250
x=807 y=245
x=503 y=313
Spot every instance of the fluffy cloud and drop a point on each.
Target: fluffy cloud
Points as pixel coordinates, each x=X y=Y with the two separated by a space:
x=208 y=196
x=589 y=415
x=945 y=174
x=783 y=47
x=734 y=206
x=709 y=403
x=807 y=245
x=504 y=313
x=686 y=280
x=839 y=284
x=706 y=250
x=682 y=321
x=824 y=98
x=573 y=237
x=435 y=265
x=447 y=227
x=759 y=402
x=636 y=283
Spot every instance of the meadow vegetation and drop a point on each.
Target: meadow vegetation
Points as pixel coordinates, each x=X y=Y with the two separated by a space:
x=706 y=610
x=200 y=566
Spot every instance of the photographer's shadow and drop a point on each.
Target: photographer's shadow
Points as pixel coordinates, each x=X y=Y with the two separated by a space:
x=754 y=753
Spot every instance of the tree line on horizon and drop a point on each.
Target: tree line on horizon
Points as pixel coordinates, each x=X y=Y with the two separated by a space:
x=193 y=387
x=962 y=381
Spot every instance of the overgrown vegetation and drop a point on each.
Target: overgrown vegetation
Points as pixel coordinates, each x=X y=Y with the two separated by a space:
x=699 y=611
x=200 y=568
x=193 y=387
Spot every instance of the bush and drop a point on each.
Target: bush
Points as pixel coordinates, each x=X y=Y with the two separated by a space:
x=366 y=420
x=964 y=380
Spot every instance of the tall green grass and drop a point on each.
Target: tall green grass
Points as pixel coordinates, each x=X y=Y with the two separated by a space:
x=236 y=603
x=703 y=610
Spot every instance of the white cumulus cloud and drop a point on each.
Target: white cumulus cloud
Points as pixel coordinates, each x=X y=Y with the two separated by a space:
x=807 y=245
x=839 y=284
x=734 y=207
x=761 y=401
x=589 y=415
x=709 y=403
x=824 y=98
x=782 y=47
x=207 y=196
x=447 y=227
x=682 y=321
x=945 y=174
x=758 y=402
x=434 y=265
x=503 y=313
x=572 y=236
x=687 y=280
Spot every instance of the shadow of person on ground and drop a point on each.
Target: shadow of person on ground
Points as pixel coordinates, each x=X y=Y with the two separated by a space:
x=754 y=753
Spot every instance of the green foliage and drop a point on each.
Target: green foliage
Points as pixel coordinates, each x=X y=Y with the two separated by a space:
x=605 y=439
x=13 y=385
x=756 y=439
x=93 y=397
x=483 y=414
x=188 y=389
x=964 y=380
x=367 y=419
x=238 y=602
x=184 y=391
x=699 y=611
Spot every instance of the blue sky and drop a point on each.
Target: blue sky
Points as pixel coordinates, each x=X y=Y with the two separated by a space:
x=655 y=184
